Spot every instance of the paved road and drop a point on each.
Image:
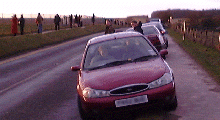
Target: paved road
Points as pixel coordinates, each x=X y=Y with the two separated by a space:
x=198 y=94
x=40 y=85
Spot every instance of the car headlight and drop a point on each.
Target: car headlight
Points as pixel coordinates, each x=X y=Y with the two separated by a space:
x=92 y=93
x=165 y=79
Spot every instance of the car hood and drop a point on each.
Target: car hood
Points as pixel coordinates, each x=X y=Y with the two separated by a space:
x=131 y=73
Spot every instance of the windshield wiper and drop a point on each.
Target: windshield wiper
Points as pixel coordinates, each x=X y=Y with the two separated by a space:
x=111 y=64
x=94 y=68
x=144 y=58
x=116 y=63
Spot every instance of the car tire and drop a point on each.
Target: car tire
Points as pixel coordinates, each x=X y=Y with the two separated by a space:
x=83 y=114
x=172 y=105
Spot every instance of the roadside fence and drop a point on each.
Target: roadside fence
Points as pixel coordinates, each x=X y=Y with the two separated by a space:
x=204 y=37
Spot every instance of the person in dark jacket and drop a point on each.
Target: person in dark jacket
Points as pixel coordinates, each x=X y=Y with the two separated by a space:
x=71 y=20
x=21 y=23
x=109 y=29
x=57 y=22
x=139 y=23
x=93 y=19
x=137 y=27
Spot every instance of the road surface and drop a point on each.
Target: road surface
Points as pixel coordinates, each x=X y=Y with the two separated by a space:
x=40 y=85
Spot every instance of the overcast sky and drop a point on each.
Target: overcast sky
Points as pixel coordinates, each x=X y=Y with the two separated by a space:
x=102 y=8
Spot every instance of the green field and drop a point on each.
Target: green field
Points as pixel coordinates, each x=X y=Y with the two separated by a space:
x=12 y=45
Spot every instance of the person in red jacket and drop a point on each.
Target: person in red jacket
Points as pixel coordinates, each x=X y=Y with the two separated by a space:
x=14 y=25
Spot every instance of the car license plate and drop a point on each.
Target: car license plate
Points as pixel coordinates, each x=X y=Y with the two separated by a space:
x=131 y=101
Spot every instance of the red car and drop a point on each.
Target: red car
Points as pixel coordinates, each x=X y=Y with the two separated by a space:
x=154 y=35
x=121 y=71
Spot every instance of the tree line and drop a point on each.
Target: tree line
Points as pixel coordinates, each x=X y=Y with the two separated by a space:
x=199 y=19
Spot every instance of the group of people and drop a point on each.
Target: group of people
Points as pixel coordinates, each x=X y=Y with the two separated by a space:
x=77 y=20
x=21 y=22
x=39 y=20
x=135 y=25
x=15 y=22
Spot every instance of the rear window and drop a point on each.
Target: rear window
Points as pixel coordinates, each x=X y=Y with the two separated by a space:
x=150 y=30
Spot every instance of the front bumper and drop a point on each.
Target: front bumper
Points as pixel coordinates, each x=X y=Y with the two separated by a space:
x=157 y=96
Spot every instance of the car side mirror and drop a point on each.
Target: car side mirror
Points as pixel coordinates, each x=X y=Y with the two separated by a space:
x=163 y=52
x=75 y=68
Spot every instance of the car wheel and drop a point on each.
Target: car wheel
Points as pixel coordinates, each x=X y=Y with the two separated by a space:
x=172 y=105
x=83 y=114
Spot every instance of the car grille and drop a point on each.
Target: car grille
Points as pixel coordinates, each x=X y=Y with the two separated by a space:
x=129 y=89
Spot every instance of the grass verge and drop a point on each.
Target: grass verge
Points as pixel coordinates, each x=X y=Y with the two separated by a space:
x=207 y=57
x=12 y=45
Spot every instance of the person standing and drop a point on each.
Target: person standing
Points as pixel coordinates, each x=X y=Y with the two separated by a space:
x=76 y=20
x=93 y=19
x=109 y=29
x=57 y=22
x=71 y=20
x=136 y=26
x=21 y=23
x=39 y=22
x=14 y=26
x=79 y=20
x=139 y=23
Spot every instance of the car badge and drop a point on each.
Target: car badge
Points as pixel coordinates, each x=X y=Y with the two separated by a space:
x=129 y=89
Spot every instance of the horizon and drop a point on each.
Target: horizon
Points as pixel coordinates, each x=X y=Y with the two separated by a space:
x=103 y=9
x=10 y=15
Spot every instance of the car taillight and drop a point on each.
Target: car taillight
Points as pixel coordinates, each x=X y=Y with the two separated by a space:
x=162 y=32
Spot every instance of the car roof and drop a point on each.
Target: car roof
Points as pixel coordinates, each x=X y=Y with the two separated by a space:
x=148 y=25
x=143 y=25
x=155 y=19
x=113 y=36
x=151 y=23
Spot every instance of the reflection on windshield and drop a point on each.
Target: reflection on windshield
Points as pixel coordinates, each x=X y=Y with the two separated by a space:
x=118 y=52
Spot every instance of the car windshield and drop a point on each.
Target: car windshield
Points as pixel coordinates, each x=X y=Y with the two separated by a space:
x=117 y=52
x=150 y=30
